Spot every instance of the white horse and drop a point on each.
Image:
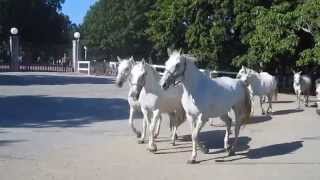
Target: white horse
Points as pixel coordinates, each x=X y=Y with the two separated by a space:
x=301 y=85
x=318 y=95
x=260 y=84
x=204 y=98
x=124 y=73
x=154 y=101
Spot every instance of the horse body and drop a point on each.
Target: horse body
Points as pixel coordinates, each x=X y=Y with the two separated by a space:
x=260 y=84
x=124 y=70
x=301 y=85
x=318 y=95
x=204 y=98
x=154 y=101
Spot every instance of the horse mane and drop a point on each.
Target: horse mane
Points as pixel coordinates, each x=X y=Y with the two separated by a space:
x=149 y=68
x=190 y=57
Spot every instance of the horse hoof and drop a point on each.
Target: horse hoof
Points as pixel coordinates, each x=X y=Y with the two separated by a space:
x=153 y=149
x=191 y=161
x=173 y=144
x=204 y=149
x=228 y=148
x=138 y=135
x=231 y=153
x=263 y=113
x=140 y=141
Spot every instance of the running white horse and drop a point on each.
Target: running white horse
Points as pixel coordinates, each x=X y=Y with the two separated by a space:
x=318 y=95
x=124 y=73
x=260 y=84
x=204 y=98
x=155 y=101
x=301 y=85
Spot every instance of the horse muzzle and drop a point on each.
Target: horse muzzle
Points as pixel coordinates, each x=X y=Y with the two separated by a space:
x=165 y=86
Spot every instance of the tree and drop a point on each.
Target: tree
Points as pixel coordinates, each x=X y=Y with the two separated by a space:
x=258 y=33
x=41 y=24
x=118 y=27
x=285 y=33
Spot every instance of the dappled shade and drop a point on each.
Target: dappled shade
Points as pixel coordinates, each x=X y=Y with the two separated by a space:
x=44 y=111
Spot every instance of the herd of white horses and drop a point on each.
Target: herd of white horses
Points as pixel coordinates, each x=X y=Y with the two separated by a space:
x=185 y=93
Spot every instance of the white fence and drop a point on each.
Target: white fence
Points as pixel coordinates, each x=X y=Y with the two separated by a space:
x=207 y=72
x=82 y=68
x=160 y=68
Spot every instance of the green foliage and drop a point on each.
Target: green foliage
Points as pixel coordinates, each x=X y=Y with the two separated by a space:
x=43 y=30
x=118 y=27
x=38 y=21
x=257 y=33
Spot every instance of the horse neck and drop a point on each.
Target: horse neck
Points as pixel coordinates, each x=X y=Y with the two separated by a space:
x=192 y=77
x=152 y=79
x=255 y=80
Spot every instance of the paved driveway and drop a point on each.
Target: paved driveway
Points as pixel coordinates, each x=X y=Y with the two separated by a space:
x=64 y=126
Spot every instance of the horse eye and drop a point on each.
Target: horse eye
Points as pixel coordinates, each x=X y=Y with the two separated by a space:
x=177 y=66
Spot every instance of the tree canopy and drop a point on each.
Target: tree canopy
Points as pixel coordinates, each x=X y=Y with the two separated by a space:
x=118 y=27
x=40 y=22
x=224 y=34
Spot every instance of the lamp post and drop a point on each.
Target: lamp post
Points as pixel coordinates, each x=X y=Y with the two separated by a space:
x=85 y=52
x=14 y=49
x=75 y=51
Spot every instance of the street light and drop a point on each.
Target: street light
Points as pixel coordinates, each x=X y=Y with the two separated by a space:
x=14 y=31
x=85 y=52
x=76 y=43
x=76 y=35
x=14 y=49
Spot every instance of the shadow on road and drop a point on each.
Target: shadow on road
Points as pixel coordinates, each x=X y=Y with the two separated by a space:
x=8 y=142
x=210 y=139
x=287 y=111
x=259 y=119
x=28 y=80
x=282 y=102
x=264 y=152
x=43 y=111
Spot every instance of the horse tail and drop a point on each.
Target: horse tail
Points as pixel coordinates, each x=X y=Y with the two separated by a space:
x=276 y=89
x=247 y=104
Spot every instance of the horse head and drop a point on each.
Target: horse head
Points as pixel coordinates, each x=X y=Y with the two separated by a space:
x=124 y=68
x=175 y=68
x=137 y=79
x=296 y=77
x=245 y=74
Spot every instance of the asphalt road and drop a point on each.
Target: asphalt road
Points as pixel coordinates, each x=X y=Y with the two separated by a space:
x=66 y=126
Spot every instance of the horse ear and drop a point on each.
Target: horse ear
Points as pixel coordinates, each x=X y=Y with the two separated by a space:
x=132 y=60
x=119 y=59
x=143 y=61
x=169 y=51
x=180 y=50
x=300 y=72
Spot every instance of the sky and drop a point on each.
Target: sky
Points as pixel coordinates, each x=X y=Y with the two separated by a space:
x=76 y=9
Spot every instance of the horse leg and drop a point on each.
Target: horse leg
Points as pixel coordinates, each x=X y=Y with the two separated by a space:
x=146 y=117
x=131 y=123
x=232 y=151
x=173 y=127
x=174 y=135
x=306 y=99
x=261 y=105
x=269 y=110
x=152 y=146
x=228 y=121
x=298 y=98
x=158 y=127
x=195 y=134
